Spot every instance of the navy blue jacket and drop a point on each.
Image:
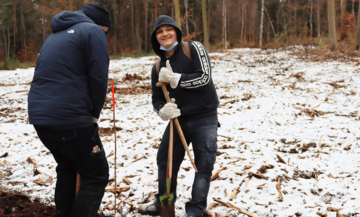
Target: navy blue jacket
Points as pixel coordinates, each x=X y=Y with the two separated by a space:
x=195 y=94
x=71 y=74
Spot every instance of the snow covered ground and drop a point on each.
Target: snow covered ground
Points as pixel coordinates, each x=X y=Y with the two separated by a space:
x=285 y=120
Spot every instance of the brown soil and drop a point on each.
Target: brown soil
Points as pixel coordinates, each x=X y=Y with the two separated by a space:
x=16 y=204
x=104 y=131
x=134 y=90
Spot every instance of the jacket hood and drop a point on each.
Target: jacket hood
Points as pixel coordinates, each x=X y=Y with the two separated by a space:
x=67 y=19
x=163 y=20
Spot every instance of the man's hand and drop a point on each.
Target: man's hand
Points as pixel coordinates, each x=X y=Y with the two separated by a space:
x=169 y=111
x=167 y=75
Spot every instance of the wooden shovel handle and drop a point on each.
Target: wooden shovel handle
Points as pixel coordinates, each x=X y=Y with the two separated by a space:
x=170 y=160
x=177 y=124
x=77 y=183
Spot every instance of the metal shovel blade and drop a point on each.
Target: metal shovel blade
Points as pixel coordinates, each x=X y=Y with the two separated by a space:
x=167 y=208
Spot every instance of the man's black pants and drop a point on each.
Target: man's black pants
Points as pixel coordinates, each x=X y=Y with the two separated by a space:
x=73 y=152
x=202 y=134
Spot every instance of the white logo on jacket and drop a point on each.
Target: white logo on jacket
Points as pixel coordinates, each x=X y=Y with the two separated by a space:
x=71 y=31
x=205 y=67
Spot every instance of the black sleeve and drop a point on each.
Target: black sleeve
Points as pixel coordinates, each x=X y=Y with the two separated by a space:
x=201 y=76
x=158 y=98
x=98 y=68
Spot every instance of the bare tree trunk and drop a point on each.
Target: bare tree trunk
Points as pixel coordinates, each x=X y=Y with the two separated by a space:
x=186 y=17
x=318 y=18
x=343 y=17
x=272 y=27
x=358 y=30
x=115 y=26
x=208 y=19
x=23 y=30
x=8 y=50
x=71 y=5
x=242 y=21
x=153 y=17
x=164 y=7
x=146 y=26
x=15 y=30
x=224 y=23
x=295 y=17
x=138 y=38
x=132 y=26
x=205 y=25
x=253 y=15
x=332 y=27
x=43 y=20
x=120 y=27
x=261 y=22
x=156 y=9
x=311 y=16
x=5 y=43
x=177 y=13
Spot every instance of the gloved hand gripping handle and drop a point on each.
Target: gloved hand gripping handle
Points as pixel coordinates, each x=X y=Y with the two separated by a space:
x=177 y=124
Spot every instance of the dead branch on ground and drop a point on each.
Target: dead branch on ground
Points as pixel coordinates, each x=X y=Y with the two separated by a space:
x=278 y=187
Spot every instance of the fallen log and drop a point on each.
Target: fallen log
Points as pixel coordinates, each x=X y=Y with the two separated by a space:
x=280 y=159
x=212 y=206
x=137 y=159
x=242 y=210
x=18 y=91
x=119 y=190
x=235 y=207
x=235 y=191
x=334 y=209
x=278 y=187
x=263 y=168
x=321 y=214
x=217 y=174
x=259 y=186
x=258 y=176
x=210 y=213
x=335 y=85
x=127 y=181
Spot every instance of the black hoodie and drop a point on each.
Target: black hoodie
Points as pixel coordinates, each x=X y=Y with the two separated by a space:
x=195 y=94
x=71 y=74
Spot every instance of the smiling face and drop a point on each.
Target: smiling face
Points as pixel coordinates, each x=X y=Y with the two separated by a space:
x=166 y=35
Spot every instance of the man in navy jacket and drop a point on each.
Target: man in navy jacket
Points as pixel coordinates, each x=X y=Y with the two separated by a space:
x=66 y=97
x=194 y=102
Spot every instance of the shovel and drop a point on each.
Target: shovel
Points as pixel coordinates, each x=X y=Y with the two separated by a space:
x=167 y=208
x=177 y=125
x=77 y=183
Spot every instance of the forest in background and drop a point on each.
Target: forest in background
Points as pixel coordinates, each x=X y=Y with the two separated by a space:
x=25 y=24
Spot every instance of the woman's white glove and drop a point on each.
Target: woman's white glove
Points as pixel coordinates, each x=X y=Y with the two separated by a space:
x=169 y=111
x=167 y=75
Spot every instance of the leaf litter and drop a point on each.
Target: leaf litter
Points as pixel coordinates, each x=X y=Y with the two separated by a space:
x=288 y=141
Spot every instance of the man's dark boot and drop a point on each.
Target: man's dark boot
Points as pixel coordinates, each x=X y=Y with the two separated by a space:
x=149 y=209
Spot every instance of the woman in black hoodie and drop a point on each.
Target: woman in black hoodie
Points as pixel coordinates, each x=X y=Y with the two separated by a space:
x=194 y=102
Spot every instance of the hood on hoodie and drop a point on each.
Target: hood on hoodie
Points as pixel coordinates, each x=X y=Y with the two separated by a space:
x=163 y=20
x=67 y=19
